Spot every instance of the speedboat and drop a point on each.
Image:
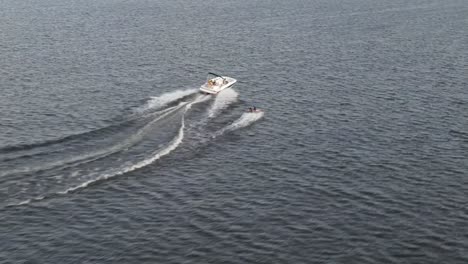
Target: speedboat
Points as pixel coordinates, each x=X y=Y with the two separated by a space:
x=216 y=83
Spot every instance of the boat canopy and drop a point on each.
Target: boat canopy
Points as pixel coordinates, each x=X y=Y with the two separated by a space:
x=217 y=75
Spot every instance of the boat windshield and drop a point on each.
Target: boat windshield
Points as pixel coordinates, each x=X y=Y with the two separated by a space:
x=214 y=76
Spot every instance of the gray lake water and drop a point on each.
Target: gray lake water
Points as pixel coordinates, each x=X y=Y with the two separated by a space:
x=108 y=154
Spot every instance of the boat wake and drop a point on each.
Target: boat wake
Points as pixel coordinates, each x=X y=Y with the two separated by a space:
x=244 y=120
x=222 y=101
x=98 y=154
x=117 y=149
x=48 y=147
x=155 y=156
x=157 y=102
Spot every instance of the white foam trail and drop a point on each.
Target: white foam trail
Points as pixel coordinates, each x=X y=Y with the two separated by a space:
x=199 y=99
x=88 y=157
x=28 y=201
x=246 y=119
x=222 y=100
x=155 y=156
x=172 y=145
x=164 y=99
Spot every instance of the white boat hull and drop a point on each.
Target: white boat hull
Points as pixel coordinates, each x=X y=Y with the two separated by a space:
x=217 y=85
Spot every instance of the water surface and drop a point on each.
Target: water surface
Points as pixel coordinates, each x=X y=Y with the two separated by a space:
x=109 y=155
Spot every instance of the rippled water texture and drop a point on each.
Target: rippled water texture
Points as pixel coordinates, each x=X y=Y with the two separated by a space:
x=108 y=153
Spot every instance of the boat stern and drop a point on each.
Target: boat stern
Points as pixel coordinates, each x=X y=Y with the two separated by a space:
x=217 y=84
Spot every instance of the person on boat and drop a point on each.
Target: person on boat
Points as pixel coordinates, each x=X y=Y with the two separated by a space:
x=250 y=109
x=254 y=109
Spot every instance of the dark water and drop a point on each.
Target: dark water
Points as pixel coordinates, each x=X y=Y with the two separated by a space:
x=108 y=154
